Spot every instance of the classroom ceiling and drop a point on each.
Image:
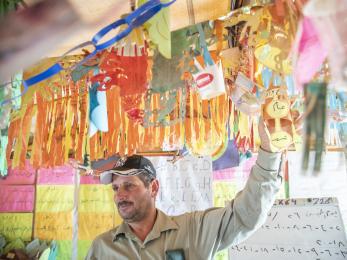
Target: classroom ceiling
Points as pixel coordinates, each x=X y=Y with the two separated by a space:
x=99 y=13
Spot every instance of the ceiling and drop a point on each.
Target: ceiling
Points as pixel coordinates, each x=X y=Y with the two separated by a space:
x=98 y=13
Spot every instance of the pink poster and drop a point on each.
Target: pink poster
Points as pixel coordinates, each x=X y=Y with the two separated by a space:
x=57 y=175
x=89 y=180
x=16 y=176
x=17 y=198
x=236 y=172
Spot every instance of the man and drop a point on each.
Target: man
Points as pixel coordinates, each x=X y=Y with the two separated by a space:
x=148 y=233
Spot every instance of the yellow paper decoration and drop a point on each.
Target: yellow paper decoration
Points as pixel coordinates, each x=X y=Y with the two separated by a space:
x=96 y=198
x=16 y=225
x=54 y=198
x=57 y=226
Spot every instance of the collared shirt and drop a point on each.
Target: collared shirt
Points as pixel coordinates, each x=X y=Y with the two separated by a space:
x=199 y=234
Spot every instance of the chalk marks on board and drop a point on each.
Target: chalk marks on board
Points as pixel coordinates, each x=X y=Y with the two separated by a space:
x=297 y=229
x=307 y=227
x=294 y=251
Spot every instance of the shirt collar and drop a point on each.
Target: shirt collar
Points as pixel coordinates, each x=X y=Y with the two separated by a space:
x=162 y=223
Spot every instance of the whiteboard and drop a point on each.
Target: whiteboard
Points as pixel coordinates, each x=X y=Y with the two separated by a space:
x=330 y=182
x=185 y=185
x=297 y=229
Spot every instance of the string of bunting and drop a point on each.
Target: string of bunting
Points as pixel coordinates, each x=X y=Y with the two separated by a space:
x=133 y=20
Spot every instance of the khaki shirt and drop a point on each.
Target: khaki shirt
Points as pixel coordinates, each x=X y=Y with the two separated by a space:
x=199 y=234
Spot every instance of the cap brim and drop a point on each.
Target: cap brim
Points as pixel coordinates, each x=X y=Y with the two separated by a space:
x=106 y=176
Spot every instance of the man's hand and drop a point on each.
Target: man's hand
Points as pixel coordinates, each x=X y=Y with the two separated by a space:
x=264 y=134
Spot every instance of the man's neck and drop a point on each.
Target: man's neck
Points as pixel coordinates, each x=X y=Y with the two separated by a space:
x=142 y=228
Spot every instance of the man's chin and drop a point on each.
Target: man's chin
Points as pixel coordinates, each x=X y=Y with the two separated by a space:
x=128 y=219
x=126 y=216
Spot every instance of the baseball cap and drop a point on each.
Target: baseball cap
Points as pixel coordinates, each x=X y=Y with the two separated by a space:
x=133 y=165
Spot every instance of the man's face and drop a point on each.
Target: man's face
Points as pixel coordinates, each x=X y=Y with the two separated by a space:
x=134 y=201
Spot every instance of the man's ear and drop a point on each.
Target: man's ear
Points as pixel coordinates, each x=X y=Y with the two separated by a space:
x=155 y=187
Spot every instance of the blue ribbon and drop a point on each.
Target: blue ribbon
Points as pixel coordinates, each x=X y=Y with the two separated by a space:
x=134 y=19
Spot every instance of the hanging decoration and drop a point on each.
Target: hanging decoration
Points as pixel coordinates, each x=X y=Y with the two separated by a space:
x=58 y=109
x=168 y=92
x=146 y=98
x=158 y=28
x=315 y=111
x=126 y=66
x=98 y=119
x=165 y=102
x=7 y=92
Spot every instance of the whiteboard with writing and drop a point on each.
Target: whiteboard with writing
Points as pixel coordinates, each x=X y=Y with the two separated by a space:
x=297 y=229
x=185 y=185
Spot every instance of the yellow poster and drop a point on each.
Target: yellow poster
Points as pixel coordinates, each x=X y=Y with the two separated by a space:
x=92 y=224
x=96 y=198
x=54 y=198
x=223 y=192
x=16 y=225
x=57 y=226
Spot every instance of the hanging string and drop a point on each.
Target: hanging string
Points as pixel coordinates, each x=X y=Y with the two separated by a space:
x=191 y=14
x=132 y=5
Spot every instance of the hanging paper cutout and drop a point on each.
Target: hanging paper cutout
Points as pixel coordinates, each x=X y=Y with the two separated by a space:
x=276 y=114
x=7 y=92
x=309 y=52
x=315 y=107
x=80 y=72
x=228 y=159
x=170 y=109
x=169 y=89
x=210 y=80
x=328 y=17
x=166 y=73
x=126 y=66
x=158 y=28
x=98 y=119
